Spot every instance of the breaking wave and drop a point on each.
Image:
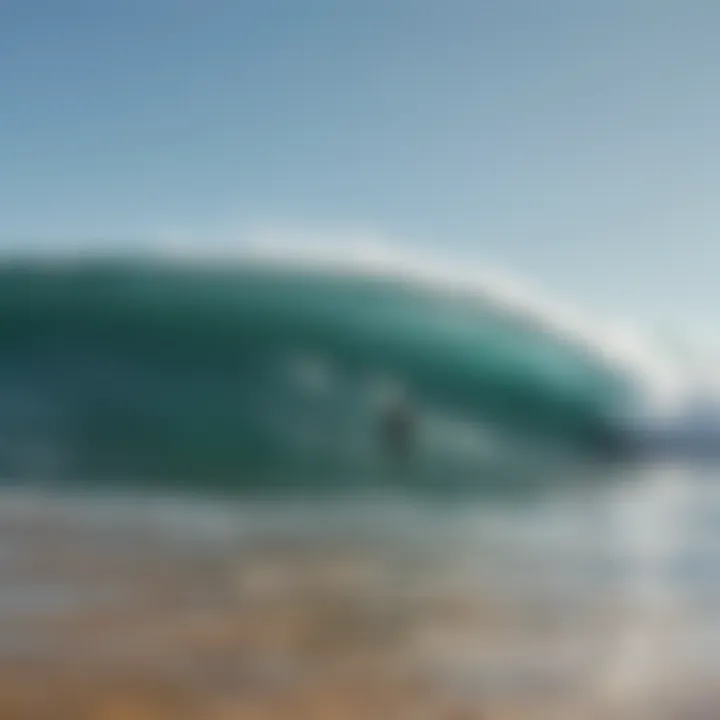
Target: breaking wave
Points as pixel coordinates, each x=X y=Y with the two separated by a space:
x=270 y=370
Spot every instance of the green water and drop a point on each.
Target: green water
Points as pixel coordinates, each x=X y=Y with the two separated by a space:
x=251 y=374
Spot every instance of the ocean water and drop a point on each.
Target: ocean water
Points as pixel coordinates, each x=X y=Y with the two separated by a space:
x=251 y=376
x=594 y=598
x=174 y=436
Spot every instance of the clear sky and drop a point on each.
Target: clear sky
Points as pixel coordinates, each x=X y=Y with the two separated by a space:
x=575 y=142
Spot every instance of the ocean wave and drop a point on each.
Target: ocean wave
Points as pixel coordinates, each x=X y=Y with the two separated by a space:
x=273 y=366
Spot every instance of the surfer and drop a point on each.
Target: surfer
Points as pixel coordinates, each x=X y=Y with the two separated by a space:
x=398 y=430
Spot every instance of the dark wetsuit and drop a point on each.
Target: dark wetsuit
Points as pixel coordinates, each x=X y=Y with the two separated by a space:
x=398 y=433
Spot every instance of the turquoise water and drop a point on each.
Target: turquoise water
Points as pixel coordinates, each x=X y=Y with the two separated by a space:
x=251 y=376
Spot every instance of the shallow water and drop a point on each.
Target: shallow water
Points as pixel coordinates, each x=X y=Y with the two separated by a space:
x=594 y=599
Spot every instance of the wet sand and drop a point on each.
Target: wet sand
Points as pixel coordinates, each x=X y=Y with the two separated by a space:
x=126 y=626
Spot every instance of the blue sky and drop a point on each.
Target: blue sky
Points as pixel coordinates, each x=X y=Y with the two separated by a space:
x=574 y=142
